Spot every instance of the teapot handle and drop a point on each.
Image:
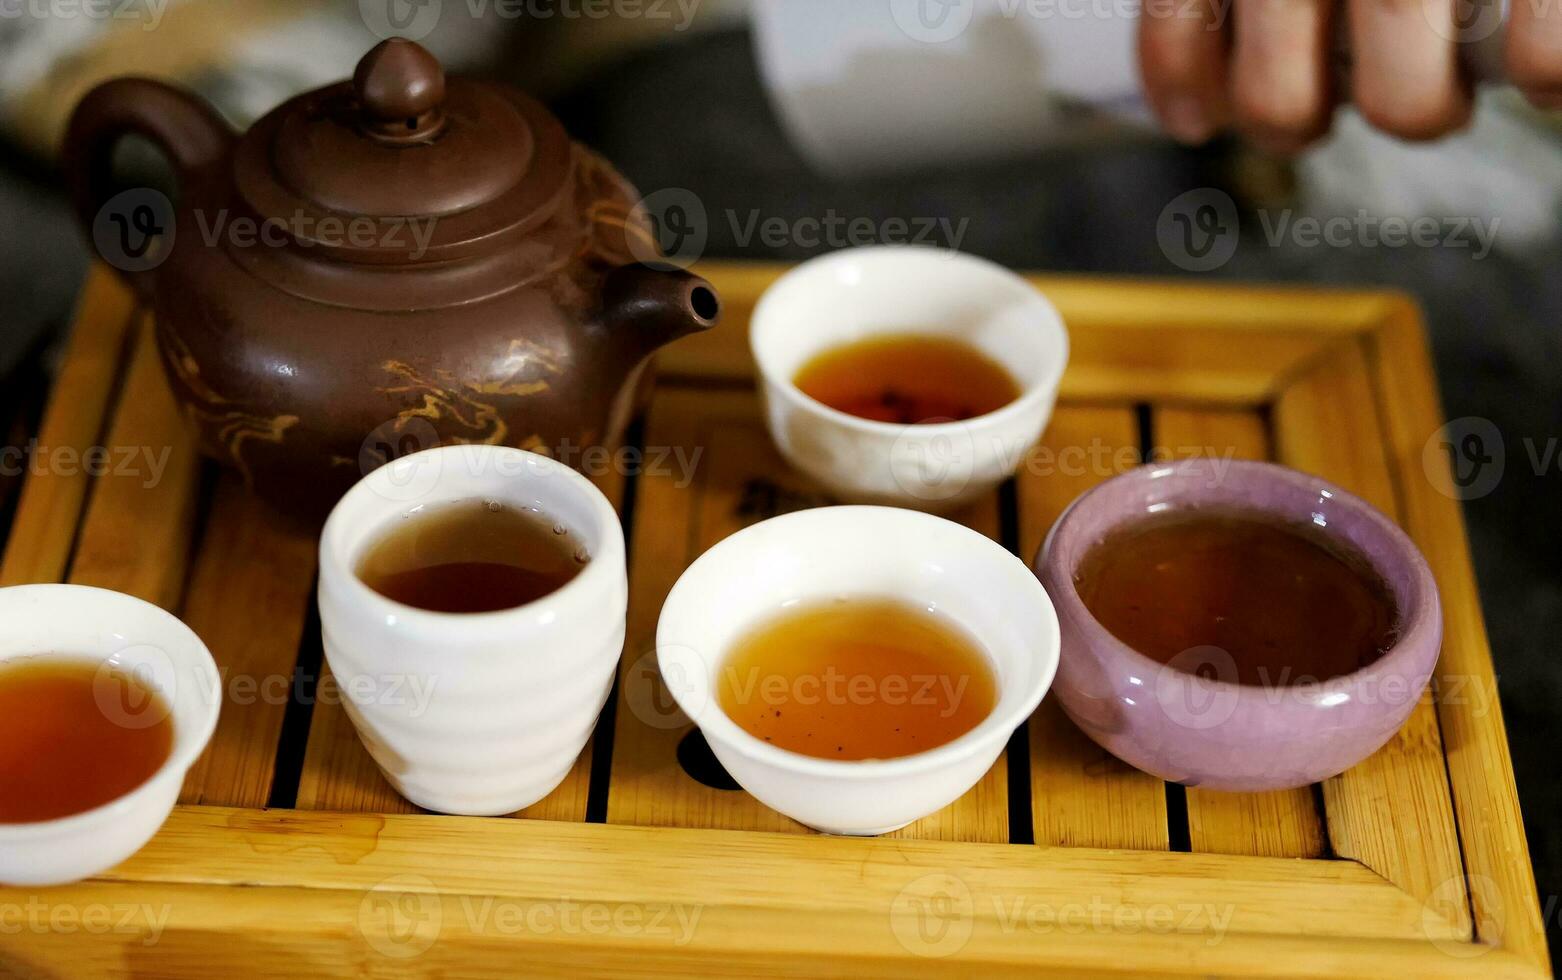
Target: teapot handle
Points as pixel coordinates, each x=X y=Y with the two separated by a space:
x=188 y=130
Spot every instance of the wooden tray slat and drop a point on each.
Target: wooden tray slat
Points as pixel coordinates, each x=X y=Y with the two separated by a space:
x=1392 y=811
x=1082 y=795
x=1283 y=823
x=49 y=510
x=740 y=480
x=1127 y=339
x=136 y=534
x=1501 y=880
x=249 y=598
x=338 y=892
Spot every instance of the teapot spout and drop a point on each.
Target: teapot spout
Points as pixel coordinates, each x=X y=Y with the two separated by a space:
x=656 y=306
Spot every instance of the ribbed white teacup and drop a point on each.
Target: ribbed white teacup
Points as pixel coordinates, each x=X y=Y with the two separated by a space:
x=474 y=713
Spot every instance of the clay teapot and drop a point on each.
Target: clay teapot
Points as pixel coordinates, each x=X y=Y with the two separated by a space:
x=379 y=266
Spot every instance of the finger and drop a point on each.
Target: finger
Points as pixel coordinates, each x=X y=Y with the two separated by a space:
x=1534 y=51
x=1280 y=84
x=1406 y=78
x=1182 y=58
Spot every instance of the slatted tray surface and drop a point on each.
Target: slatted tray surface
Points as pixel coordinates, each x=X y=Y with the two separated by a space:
x=645 y=860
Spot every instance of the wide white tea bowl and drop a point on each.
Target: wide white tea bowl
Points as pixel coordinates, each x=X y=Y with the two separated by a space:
x=124 y=636
x=861 y=293
x=473 y=713
x=878 y=552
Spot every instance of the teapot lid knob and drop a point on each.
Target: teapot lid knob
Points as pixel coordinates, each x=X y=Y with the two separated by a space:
x=400 y=88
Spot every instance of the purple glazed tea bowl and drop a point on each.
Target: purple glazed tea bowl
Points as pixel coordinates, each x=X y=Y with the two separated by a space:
x=1194 y=724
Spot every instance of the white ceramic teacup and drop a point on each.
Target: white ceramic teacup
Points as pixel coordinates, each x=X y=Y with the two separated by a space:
x=123 y=635
x=865 y=292
x=474 y=713
x=857 y=551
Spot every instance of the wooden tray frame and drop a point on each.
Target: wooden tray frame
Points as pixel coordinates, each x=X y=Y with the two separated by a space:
x=1413 y=861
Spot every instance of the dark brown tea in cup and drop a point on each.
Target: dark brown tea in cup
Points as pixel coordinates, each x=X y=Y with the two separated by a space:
x=1284 y=602
x=75 y=735
x=473 y=556
x=908 y=379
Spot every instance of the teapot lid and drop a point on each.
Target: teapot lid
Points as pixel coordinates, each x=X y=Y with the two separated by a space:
x=403 y=165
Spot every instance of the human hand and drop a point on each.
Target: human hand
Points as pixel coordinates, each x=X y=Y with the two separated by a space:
x=1267 y=69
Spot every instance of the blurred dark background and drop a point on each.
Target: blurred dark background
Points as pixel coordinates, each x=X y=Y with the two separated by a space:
x=689 y=110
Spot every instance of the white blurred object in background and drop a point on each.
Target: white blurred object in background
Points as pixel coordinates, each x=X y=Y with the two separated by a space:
x=868 y=85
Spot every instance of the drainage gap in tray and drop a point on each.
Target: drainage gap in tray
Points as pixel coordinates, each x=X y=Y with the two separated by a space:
x=696 y=758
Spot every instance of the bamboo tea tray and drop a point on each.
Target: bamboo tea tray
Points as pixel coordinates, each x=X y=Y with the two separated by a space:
x=289 y=853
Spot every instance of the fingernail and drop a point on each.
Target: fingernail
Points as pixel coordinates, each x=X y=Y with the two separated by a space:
x=1185 y=119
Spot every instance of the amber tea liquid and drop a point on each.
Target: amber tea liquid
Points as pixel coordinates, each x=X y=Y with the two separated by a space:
x=72 y=739
x=908 y=379
x=472 y=556
x=1283 y=602
x=857 y=678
